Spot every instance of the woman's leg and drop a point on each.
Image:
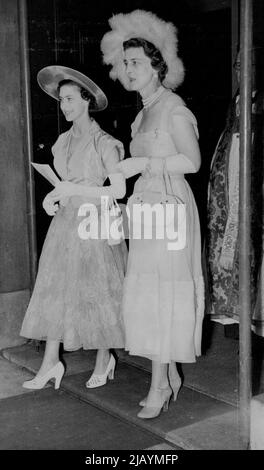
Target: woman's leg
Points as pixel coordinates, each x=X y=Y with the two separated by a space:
x=51 y=368
x=159 y=377
x=104 y=368
x=102 y=360
x=175 y=380
x=159 y=380
x=159 y=392
x=51 y=356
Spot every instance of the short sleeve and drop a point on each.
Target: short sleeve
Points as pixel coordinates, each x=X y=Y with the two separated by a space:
x=59 y=143
x=185 y=113
x=106 y=144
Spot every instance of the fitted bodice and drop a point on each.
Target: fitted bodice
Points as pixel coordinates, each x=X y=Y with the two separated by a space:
x=154 y=143
x=158 y=141
x=86 y=163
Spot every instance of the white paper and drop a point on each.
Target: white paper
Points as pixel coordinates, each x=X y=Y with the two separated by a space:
x=46 y=171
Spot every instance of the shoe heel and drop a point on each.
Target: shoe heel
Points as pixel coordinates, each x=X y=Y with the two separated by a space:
x=111 y=372
x=38 y=383
x=57 y=382
x=166 y=404
x=153 y=411
x=175 y=392
x=97 y=380
x=58 y=377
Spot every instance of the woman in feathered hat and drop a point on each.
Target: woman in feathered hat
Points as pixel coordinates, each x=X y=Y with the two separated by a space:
x=163 y=300
x=77 y=295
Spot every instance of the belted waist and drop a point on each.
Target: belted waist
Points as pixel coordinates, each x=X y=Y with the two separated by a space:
x=77 y=201
x=173 y=176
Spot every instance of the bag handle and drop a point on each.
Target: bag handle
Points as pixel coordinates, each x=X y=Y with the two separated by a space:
x=166 y=179
x=167 y=187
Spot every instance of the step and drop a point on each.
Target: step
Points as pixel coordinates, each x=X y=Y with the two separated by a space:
x=194 y=422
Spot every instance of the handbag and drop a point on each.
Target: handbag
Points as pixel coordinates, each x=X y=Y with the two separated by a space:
x=164 y=204
x=111 y=214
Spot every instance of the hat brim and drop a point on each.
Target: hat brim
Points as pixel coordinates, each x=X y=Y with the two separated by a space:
x=49 y=77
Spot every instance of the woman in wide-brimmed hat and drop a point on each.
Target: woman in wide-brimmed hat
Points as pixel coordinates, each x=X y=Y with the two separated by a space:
x=163 y=290
x=77 y=294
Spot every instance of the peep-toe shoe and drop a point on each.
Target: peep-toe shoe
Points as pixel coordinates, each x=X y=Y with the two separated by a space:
x=97 y=380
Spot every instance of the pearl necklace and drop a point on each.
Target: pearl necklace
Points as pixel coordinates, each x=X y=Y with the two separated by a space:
x=147 y=102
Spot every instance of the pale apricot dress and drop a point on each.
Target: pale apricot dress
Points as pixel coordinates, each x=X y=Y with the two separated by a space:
x=163 y=301
x=78 y=291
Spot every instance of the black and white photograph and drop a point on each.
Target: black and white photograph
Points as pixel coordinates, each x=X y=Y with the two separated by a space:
x=131 y=230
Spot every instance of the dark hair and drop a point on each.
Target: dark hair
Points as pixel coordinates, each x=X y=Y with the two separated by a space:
x=85 y=94
x=157 y=61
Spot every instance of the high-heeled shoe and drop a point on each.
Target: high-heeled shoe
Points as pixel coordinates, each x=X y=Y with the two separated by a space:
x=39 y=382
x=143 y=401
x=174 y=380
x=162 y=403
x=97 y=380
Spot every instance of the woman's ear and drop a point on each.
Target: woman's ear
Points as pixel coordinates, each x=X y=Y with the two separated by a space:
x=88 y=104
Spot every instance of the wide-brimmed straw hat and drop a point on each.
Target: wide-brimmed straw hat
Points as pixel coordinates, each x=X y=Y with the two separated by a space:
x=49 y=77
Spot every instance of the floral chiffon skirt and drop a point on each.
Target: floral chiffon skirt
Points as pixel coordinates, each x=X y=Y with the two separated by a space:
x=78 y=290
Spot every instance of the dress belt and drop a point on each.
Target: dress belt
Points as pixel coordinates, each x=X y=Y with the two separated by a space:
x=173 y=176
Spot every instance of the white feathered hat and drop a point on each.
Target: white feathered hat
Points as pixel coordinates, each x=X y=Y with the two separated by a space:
x=145 y=25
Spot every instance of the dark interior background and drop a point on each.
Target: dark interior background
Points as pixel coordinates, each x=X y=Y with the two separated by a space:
x=68 y=32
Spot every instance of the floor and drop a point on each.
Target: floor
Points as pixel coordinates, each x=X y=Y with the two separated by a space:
x=204 y=417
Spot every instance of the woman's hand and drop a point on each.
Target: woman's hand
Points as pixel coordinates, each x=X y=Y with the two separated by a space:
x=49 y=205
x=63 y=190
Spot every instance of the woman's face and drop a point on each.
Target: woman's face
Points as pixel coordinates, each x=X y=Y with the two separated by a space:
x=139 y=69
x=72 y=104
